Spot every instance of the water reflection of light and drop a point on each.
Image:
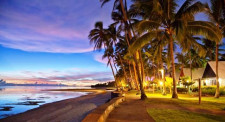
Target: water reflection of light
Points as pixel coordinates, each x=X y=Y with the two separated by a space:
x=15 y=94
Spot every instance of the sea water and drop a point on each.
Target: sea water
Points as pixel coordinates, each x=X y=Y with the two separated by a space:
x=18 y=99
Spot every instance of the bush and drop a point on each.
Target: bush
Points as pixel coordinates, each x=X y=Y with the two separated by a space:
x=182 y=90
x=209 y=90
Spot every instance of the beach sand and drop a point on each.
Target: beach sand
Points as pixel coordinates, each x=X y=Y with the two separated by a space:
x=70 y=110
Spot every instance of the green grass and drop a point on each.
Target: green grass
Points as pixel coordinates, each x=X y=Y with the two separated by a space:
x=209 y=103
x=185 y=100
x=169 y=115
x=164 y=108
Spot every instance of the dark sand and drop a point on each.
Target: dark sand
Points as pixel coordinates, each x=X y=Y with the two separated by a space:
x=70 y=110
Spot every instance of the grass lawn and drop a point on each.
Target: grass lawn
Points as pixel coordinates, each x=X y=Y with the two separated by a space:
x=186 y=108
x=213 y=104
x=170 y=115
x=184 y=100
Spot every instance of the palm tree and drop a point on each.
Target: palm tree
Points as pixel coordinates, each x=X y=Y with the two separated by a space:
x=174 y=24
x=216 y=16
x=210 y=47
x=157 y=46
x=191 y=45
x=114 y=35
x=129 y=38
x=99 y=37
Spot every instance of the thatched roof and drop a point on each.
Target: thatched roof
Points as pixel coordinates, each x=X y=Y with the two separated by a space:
x=197 y=73
x=210 y=70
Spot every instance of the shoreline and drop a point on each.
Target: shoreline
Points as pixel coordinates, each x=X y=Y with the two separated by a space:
x=73 y=109
x=91 y=91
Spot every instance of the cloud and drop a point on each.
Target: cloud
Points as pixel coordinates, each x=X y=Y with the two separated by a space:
x=71 y=77
x=98 y=58
x=53 y=26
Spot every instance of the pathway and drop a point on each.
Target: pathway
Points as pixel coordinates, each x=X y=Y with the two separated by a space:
x=132 y=110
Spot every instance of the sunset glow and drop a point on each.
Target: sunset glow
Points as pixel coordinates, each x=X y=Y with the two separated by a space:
x=47 y=42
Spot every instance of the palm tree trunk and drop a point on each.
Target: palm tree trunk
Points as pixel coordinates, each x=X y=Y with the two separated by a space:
x=143 y=95
x=132 y=78
x=114 y=63
x=123 y=10
x=217 y=95
x=173 y=68
x=111 y=67
x=124 y=71
x=162 y=70
x=142 y=67
x=112 y=71
x=135 y=75
x=191 y=65
x=135 y=71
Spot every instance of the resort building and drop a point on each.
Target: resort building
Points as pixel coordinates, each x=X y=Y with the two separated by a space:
x=209 y=75
x=197 y=74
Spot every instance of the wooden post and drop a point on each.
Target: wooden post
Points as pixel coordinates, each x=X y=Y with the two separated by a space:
x=153 y=88
x=199 y=91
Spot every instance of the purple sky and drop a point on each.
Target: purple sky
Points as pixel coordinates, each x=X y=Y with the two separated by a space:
x=56 y=28
x=50 y=26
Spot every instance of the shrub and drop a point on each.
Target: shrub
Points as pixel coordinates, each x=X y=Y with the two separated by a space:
x=209 y=90
x=182 y=90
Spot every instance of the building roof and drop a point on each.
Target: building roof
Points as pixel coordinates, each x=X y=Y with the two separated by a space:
x=210 y=70
x=197 y=73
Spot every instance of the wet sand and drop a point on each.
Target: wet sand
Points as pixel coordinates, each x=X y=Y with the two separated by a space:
x=70 y=110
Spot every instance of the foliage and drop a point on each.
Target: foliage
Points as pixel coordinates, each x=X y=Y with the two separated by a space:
x=169 y=82
x=142 y=39
x=182 y=90
x=108 y=84
x=210 y=90
x=186 y=81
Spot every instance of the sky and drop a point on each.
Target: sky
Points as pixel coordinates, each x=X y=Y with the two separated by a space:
x=46 y=41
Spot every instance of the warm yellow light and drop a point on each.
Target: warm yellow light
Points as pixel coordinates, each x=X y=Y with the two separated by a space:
x=162 y=71
x=161 y=83
x=187 y=80
x=145 y=84
x=207 y=81
x=220 y=80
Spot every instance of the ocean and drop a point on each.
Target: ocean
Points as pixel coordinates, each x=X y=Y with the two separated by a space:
x=18 y=99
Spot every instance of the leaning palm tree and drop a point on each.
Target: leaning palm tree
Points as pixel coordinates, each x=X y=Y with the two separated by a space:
x=216 y=16
x=113 y=36
x=175 y=25
x=129 y=37
x=99 y=37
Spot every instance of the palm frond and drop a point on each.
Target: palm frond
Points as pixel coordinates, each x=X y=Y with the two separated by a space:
x=143 y=40
x=147 y=25
x=207 y=29
x=189 y=13
x=184 y=6
x=104 y=2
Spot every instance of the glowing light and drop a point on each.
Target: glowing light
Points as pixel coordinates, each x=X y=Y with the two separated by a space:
x=220 y=80
x=207 y=81
x=161 y=83
x=145 y=84
x=162 y=71
x=187 y=80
